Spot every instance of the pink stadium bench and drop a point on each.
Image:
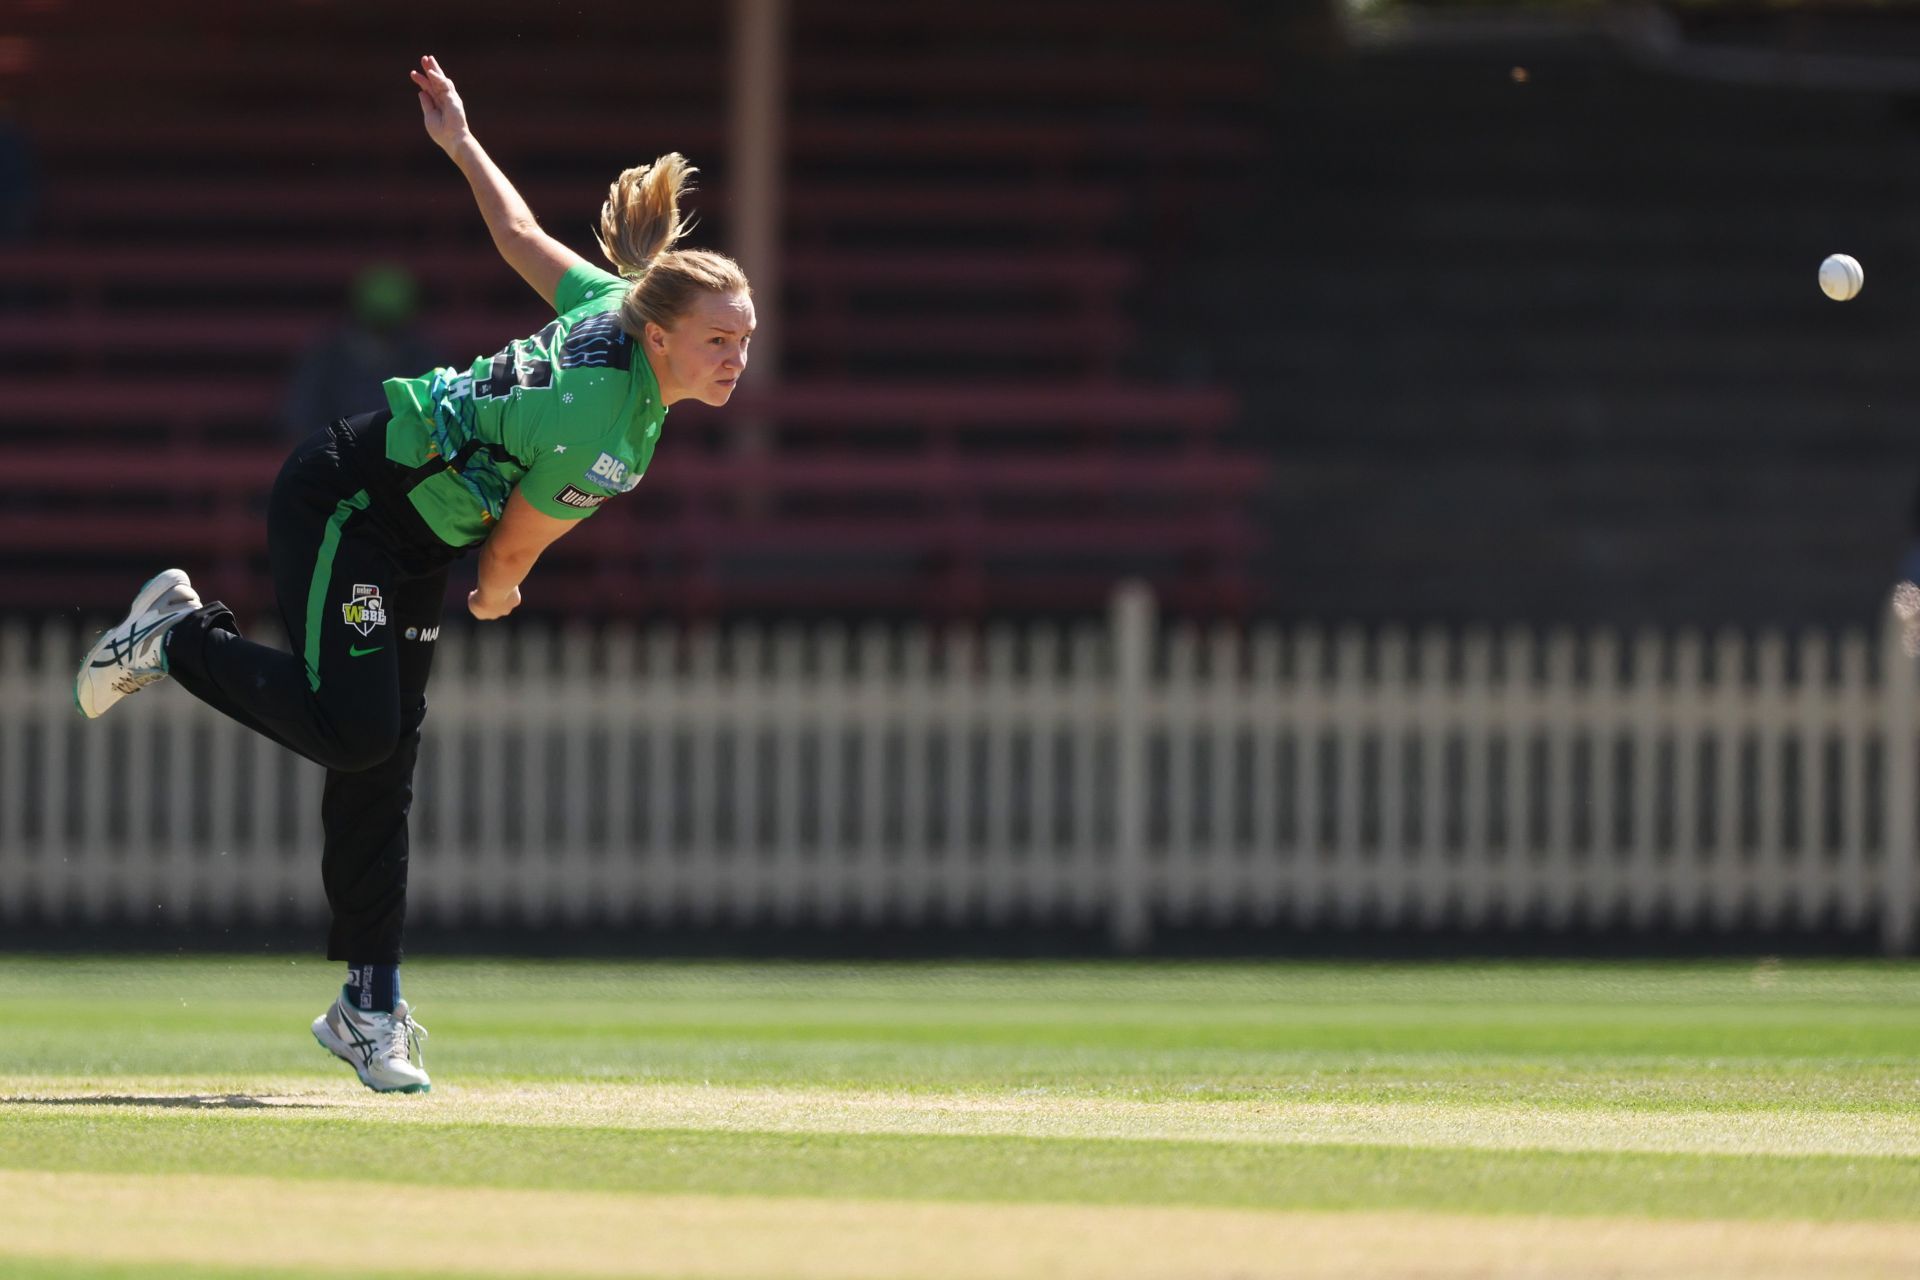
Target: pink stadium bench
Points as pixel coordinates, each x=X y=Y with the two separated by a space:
x=938 y=416
x=373 y=139
x=435 y=202
x=193 y=474
x=97 y=332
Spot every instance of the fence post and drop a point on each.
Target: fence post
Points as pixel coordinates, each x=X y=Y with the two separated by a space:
x=1132 y=622
x=1897 y=689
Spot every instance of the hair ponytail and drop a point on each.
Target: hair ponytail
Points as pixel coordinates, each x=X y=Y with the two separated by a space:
x=641 y=218
x=638 y=226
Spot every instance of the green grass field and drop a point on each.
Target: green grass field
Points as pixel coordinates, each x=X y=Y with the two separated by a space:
x=173 y=1117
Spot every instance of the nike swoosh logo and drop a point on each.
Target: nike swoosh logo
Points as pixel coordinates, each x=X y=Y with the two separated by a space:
x=355 y=651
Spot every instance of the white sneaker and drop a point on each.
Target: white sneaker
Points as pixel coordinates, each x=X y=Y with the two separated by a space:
x=380 y=1047
x=127 y=658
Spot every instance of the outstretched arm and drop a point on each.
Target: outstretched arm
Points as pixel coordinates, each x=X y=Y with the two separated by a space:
x=538 y=257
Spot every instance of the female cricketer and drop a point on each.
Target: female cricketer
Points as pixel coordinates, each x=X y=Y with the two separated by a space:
x=367 y=515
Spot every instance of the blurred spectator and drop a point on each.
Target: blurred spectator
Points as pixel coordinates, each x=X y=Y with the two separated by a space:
x=341 y=373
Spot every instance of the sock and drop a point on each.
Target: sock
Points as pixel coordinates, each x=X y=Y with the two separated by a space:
x=372 y=988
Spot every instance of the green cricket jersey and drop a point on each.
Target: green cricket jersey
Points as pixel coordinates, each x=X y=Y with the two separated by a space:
x=569 y=417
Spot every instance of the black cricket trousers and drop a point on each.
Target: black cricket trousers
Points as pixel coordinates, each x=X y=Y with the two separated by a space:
x=361 y=583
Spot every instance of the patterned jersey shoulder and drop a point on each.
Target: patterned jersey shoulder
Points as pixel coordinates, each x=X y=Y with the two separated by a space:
x=554 y=394
x=596 y=437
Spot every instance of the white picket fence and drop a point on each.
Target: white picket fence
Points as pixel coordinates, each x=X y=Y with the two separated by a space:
x=1116 y=774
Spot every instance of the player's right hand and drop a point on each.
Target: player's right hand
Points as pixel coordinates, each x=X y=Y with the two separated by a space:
x=1906 y=607
x=488 y=608
x=440 y=107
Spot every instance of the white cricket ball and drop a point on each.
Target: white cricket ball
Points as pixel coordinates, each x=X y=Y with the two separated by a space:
x=1841 y=277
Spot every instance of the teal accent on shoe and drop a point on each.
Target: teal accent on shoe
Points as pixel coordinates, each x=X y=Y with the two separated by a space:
x=405 y=1088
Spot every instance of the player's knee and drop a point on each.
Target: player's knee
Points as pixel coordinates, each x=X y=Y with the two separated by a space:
x=364 y=744
x=359 y=755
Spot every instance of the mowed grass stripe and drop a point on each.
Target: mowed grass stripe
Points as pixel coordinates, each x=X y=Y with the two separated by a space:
x=969 y=1168
x=108 y=1032
x=149 y=1015
x=1630 y=1037
x=1016 y=1114
x=267 y=1222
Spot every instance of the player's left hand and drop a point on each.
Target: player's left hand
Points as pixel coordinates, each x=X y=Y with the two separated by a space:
x=440 y=107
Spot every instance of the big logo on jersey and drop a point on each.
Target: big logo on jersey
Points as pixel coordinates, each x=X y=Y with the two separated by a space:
x=366 y=610
x=610 y=473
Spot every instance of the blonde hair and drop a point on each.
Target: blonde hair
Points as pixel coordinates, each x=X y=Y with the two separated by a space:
x=639 y=224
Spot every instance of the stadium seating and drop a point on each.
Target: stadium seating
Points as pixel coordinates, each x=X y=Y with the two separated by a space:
x=972 y=417
x=1552 y=349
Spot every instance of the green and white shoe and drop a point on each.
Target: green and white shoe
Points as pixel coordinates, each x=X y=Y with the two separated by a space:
x=380 y=1047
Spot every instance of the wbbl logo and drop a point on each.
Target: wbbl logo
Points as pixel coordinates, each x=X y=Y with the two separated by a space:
x=366 y=610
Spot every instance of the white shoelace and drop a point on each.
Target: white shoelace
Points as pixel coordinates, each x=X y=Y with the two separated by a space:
x=403 y=1039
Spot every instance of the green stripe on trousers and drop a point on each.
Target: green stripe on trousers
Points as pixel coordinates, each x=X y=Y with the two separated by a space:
x=322 y=572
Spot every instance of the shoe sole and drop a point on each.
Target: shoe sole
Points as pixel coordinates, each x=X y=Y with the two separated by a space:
x=143 y=600
x=324 y=1034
